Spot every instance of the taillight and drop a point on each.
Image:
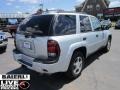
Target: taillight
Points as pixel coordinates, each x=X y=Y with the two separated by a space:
x=53 y=49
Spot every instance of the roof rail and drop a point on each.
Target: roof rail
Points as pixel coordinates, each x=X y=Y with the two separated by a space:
x=62 y=11
x=58 y=11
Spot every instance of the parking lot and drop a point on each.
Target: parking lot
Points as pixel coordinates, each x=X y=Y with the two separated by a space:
x=102 y=70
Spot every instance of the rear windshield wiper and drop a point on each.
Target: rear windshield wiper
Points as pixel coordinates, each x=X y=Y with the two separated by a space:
x=33 y=33
x=37 y=32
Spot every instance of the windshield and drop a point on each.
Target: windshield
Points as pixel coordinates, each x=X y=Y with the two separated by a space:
x=12 y=21
x=39 y=25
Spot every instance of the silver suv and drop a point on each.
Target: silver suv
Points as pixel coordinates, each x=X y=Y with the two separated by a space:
x=59 y=42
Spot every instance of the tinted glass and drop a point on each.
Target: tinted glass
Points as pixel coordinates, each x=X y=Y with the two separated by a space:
x=37 y=24
x=65 y=25
x=106 y=22
x=12 y=21
x=96 y=24
x=118 y=22
x=85 y=25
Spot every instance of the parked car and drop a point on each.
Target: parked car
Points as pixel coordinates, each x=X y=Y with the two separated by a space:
x=12 y=29
x=3 y=42
x=106 y=23
x=117 y=25
x=59 y=42
x=3 y=28
x=12 y=26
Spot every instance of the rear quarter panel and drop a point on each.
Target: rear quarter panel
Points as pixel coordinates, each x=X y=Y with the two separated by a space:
x=68 y=43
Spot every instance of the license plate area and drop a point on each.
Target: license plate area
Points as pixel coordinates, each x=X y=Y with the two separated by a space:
x=27 y=45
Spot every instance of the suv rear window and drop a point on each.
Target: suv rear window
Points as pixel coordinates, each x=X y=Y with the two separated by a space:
x=39 y=25
x=48 y=25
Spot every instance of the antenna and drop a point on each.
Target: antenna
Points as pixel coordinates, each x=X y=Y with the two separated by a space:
x=41 y=5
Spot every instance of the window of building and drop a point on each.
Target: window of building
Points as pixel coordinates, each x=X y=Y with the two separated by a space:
x=85 y=25
x=89 y=7
x=97 y=7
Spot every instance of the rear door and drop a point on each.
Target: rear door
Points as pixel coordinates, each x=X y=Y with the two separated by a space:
x=96 y=25
x=87 y=34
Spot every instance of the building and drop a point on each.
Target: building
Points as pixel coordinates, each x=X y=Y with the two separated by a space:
x=93 y=7
x=112 y=13
x=39 y=11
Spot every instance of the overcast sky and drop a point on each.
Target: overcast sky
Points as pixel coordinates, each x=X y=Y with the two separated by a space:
x=32 y=5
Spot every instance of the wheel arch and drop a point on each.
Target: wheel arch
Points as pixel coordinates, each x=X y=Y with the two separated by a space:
x=110 y=37
x=82 y=49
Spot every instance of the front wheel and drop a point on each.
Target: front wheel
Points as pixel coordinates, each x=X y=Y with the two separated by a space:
x=76 y=65
x=108 y=46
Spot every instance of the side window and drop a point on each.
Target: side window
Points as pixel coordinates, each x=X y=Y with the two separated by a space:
x=65 y=25
x=85 y=25
x=96 y=24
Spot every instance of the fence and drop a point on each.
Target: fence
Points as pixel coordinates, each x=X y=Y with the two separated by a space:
x=13 y=15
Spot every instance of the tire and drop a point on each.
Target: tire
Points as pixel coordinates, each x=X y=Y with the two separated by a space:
x=3 y=49
x=23 y=66
x=76 y=65
x=108 y=46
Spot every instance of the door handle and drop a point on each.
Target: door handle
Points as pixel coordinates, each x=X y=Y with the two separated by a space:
x=84 y=38
x=97 y=35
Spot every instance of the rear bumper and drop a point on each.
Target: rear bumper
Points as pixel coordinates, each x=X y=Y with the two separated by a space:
x=38 y=66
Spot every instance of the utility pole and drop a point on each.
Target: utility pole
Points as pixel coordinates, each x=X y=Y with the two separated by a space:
x=41 y=6
x=40 y=10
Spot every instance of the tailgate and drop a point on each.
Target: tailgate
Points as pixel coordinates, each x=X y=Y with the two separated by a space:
x=33 y=47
